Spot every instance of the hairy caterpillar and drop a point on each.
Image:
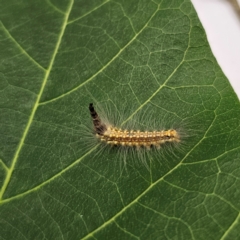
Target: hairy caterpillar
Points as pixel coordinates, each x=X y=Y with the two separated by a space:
x=142 y=138
x=130 y=138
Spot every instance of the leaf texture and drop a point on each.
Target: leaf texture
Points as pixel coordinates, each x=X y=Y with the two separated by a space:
x=56 y=57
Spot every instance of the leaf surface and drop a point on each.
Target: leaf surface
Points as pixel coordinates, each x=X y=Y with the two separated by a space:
x=57 y=57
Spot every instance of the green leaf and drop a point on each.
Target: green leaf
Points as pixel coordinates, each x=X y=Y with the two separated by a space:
x=57 y=57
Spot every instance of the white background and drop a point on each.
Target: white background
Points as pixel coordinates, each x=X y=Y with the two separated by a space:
x=221 y=21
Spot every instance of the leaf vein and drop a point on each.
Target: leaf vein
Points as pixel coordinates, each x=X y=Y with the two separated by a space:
x=54 y=7
x=31 y=117
x=22 y=50
x=104 y=67
x=235 y=222
x=94 y=9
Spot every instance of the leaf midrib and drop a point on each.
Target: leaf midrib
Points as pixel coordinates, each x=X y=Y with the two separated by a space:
x=30 y=120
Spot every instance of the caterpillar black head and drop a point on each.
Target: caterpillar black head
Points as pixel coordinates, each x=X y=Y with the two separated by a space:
x=99 y=127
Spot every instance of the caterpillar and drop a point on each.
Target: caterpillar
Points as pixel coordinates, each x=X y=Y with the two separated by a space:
x=130 y=138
